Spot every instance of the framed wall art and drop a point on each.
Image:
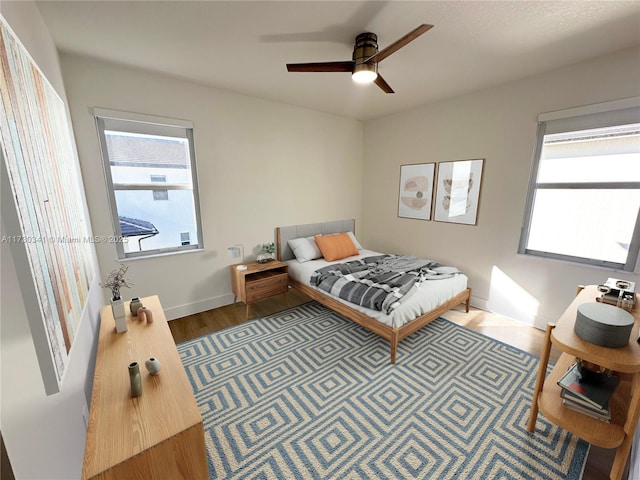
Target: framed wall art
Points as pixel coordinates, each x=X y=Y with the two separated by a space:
x=458 y=191
x=42 y=207
x=416 y=191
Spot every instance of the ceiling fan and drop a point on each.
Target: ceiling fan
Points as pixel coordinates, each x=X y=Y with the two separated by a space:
x=364 y=66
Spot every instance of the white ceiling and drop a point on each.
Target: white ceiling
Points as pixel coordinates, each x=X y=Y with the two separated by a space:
x=243 y=46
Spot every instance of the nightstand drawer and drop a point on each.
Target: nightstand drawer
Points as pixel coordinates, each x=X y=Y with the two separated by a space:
x=266 y=285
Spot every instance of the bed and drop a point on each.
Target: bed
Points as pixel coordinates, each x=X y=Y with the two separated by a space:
x=430 y=300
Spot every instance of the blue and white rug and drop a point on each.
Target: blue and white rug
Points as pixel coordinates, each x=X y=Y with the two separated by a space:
x=307 y=394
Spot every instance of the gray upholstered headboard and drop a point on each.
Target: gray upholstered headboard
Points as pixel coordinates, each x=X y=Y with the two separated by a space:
x=284 y=234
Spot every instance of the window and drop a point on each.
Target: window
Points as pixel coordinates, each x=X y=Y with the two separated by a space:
x=584 y=198
x=139 y=152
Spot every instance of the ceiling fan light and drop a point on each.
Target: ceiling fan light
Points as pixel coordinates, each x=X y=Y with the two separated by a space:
x=364 y=73
x=365 y=70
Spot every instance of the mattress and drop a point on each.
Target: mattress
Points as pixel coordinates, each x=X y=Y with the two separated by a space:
x=424 y=298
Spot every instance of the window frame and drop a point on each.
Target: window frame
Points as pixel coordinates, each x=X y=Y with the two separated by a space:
x=148 y=125
x=608 y=114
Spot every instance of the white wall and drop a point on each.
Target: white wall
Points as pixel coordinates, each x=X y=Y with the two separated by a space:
x=260 y=164
x=499 y=125
x=44 y=435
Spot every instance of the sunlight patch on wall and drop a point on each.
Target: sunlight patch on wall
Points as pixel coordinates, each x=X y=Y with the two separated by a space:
x=508 y=298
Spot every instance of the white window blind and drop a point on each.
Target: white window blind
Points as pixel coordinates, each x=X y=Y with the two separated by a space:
x=584 y=195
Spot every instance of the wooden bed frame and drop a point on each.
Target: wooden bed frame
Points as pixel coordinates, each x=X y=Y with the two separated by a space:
x=392 y=334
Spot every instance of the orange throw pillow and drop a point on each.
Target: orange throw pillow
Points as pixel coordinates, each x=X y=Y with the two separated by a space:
x=336 y=246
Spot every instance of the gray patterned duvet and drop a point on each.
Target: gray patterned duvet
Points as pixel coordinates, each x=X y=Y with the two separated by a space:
x=380 y=282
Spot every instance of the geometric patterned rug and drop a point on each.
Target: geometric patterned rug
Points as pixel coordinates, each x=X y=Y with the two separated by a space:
x=306 y=394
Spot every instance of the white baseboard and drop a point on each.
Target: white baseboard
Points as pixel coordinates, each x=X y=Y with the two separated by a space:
x=480 y=303
x=196 y=307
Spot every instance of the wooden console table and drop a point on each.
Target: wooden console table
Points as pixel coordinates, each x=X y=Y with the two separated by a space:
x=157 y=435
x=625 y=403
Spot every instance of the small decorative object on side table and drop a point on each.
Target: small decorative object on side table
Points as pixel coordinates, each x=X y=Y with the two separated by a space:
x=135 y=379
x=268 y=253
x=135 y=305
x=259 y=281
x=119 y=315
x=153 y=365
x=114 y=282
x=144 y=314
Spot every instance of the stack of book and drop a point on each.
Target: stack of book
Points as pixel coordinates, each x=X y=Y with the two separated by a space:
x=588 y=397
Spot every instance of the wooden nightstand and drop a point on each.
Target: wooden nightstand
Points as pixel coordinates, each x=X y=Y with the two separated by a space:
x=259 y=281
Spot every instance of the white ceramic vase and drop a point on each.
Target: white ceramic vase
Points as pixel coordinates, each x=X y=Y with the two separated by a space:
x=119 y=315
x=153 y=366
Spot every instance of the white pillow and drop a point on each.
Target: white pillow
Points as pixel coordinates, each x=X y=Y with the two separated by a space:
x=305 y=249
x=354 y=240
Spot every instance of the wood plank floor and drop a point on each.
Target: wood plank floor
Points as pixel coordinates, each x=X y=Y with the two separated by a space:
x=504 y=329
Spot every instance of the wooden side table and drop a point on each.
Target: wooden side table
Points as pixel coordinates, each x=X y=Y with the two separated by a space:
x=159 y=434
x=625 y=403
x=259 y=281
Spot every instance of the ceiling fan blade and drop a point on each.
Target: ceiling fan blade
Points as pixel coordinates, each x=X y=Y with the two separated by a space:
x=383 y=84
x=321 y=67
x=398 y=44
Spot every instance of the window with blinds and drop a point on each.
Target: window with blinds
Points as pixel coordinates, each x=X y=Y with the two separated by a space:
x=584 y=196
x=149 y=165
